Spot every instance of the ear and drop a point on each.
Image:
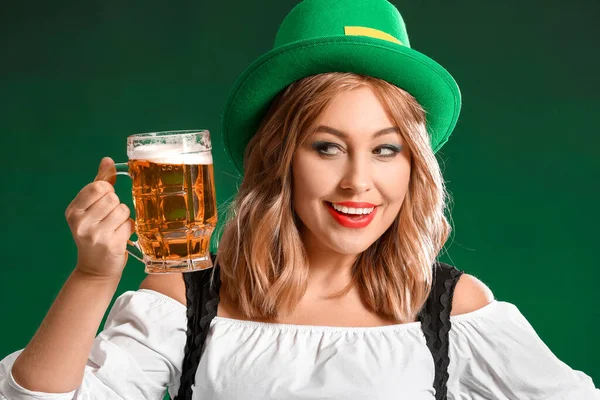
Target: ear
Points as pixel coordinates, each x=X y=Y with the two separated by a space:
x=470 y=294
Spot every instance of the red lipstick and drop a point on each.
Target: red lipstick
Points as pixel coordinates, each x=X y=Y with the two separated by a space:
x=348 y=221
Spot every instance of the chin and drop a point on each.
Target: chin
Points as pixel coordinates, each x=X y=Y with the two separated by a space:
x=350 y=248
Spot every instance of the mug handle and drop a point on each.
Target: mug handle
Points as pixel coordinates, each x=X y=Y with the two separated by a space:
x=133 y=247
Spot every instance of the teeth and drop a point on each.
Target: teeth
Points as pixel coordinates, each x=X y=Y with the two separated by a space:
x=356 y=211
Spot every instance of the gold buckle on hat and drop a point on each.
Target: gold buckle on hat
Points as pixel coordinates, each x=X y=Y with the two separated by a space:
x=374 y=33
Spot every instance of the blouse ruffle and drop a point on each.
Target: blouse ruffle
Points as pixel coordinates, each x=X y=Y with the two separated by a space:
x=494 y=354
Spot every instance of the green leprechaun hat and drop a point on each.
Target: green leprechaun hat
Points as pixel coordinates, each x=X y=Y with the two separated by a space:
x=366 y=37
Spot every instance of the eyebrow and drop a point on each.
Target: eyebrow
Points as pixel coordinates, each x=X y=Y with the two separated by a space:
x=340 y=134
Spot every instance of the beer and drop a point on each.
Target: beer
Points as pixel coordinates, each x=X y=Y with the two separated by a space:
x=175 y=207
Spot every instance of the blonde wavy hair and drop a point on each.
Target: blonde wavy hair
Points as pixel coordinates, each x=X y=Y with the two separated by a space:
x=261 y=256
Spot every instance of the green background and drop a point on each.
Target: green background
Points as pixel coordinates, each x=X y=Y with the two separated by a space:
x=78 y=77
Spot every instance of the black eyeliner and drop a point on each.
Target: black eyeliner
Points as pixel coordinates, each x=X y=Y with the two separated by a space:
x=393 y=148
x=319 y=146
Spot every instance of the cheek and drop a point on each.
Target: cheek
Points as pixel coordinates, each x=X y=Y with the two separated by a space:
x=394 y=186
x=311 y=181
x=397 y=190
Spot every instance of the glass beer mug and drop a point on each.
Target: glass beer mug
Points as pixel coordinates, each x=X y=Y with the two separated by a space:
x=174 y=199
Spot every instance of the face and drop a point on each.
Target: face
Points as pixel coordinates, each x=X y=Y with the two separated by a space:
x=356 y=156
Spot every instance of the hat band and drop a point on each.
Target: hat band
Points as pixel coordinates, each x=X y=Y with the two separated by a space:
x=374 y=33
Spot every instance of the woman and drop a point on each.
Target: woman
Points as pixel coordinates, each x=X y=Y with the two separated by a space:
x=326 y=283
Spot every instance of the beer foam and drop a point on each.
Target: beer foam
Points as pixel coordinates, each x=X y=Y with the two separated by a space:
x=170 y=154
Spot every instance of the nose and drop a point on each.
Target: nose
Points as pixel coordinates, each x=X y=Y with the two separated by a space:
x=358 y=175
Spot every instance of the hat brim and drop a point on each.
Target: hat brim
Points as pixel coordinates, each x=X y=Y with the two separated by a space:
x=426 y=80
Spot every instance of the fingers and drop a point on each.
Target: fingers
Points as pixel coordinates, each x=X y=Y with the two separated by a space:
x=97 y=207
x=105 y=215
x=100 y=225
x=90 y=194
x=87 y=197
x=126 y=229
x=107 y=171
x=102 y=207
x=118 y=215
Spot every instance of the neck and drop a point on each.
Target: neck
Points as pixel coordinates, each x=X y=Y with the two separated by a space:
x=329 y=272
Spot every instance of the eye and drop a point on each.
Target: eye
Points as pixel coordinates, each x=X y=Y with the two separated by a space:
x=327 y=149
x=388 y=151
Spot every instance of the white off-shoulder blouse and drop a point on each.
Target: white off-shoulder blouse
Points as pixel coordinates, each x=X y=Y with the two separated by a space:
x=494 y=354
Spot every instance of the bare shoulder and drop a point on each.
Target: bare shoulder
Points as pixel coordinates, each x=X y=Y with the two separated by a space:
x=171 y=285
x=470 y=294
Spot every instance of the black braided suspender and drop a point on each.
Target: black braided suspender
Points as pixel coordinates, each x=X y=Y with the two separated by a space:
x=202 y=294
x=435 y=322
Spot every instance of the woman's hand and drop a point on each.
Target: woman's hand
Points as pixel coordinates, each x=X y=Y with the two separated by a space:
x=100 y=226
